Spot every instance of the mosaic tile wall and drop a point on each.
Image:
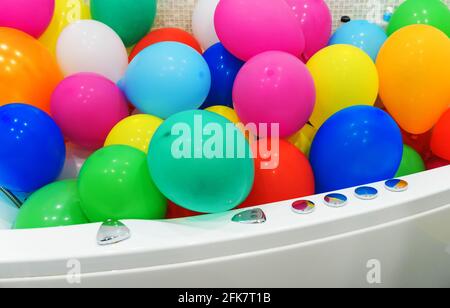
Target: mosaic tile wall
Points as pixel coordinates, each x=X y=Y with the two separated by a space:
x=177 y=13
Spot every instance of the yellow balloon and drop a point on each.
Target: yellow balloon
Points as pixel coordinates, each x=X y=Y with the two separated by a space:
x=225 y=112
x=136 y=131
x=303 y=139
x=66 y=12
x=344 y=76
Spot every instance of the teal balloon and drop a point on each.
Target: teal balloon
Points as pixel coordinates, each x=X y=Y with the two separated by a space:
x=202 y=162
x=130 y=19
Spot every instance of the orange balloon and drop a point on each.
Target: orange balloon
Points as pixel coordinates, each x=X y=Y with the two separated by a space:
x=414 y=69
x=440 y=142
x=28 y=72
x=165 y=35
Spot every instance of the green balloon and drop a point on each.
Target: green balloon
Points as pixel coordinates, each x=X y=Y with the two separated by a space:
x=431 y=12
x=412 y=163
x=115 y=183
x=202 y=162
x=55 y=205
x=131 y=19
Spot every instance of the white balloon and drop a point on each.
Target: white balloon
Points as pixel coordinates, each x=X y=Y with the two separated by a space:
x=91 y=46
x=75 y=158
x=203 y=23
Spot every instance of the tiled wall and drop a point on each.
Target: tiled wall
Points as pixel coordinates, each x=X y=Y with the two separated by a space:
x=177 y=13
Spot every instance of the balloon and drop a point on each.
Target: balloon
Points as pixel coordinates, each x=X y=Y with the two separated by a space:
x=75 y=158
x=274 y=87
x=362 y=34
x=87 y=106
x=440 y=141
x=136 y=131
x=436 y=162
x=431 y=12
x=203 y=22
x=303 y=139
x=174 y=211
x=66 y=12
x=413 y=66
x=90 y=46
x=248 y=28
x=282 y=173
x=32 y=149
x=201 y=161
x=344 y=76
x=420 y=143
x=224 y=68
x=28 y=73
x=55 y=205
x=115 y=184
x=316 y=20
x=356 y=146
x=32 y=17
x=165 y=35
x=157 y=90
x=411 y=163
x=226 y=112
x=131 y=20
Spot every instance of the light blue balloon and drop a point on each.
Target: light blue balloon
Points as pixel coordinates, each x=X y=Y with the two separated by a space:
x=167 y=78
x=360 y=33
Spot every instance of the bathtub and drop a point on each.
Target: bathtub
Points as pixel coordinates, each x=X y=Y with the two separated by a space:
x=400 y=239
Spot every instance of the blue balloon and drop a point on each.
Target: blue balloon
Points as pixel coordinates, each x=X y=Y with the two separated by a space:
x=360 y=33
x=224 y=68
x=167 y=78
x=32 y=149
x=356 y=146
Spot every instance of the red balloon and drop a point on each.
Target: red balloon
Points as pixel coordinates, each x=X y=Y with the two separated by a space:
x=292 y=177
x=165 y=35
x=440 y=142
x=436 y=162
x=420 y=143
x=174 y=211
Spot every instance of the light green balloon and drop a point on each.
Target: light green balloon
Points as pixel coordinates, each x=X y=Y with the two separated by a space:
x=115 y=184
x=131 y=19
x=55 y=205
x=189 y=163
x=412 y=162
x=429 y=12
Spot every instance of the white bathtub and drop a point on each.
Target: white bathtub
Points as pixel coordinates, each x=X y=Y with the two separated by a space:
x=397 y=240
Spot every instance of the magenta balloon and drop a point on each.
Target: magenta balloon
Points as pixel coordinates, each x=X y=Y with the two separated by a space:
x=248 y=28
x=275 y=87
x=30 y=16
x=316 y=20
x=86 y=106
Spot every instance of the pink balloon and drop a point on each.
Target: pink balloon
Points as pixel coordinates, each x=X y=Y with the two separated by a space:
x=316 y=20
x=248 y=28
x=30 y=16
x=86 y=107
x=275 y=87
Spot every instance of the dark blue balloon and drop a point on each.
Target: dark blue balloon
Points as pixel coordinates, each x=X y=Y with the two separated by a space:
x=356 y=146
x=224 y=68
x=32 y=149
